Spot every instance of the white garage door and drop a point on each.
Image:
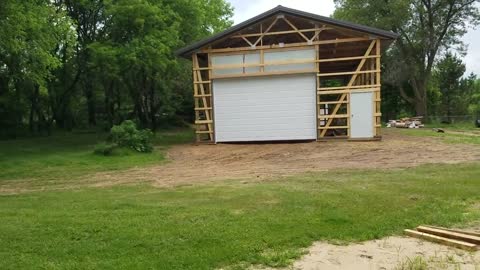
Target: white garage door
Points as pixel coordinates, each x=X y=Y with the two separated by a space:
x=265 y=108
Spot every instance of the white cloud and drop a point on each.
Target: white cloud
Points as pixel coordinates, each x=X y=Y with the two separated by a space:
x=246 y=9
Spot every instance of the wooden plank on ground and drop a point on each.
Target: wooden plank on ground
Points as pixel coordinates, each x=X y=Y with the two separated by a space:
x=449 y=234
x=455 y=230
x=442 y=240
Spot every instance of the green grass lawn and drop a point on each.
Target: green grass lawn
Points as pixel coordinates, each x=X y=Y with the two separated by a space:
x=66 y=156
x=229 y=224
x=462 y=126
x=461 y=132
x=447 y=137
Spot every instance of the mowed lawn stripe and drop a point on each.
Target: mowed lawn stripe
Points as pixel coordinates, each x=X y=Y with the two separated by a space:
x=231 y=223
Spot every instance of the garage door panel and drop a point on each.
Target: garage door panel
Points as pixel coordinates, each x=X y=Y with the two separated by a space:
x=265 y=92
x=271 y=117
x=253 y=135
x=272 y=124
x=265 y=108
x=234 y=99
x=253 y=105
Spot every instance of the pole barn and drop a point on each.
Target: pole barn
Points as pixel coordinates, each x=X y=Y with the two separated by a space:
x=288 y=75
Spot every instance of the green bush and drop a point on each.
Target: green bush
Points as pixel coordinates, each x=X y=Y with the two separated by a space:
x=105 y=149
x=127 y=135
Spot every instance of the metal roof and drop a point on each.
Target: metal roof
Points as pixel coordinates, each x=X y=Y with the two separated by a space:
x=186 y=51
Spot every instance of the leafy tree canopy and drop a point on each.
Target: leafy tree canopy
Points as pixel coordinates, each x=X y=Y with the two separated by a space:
x=427 y=28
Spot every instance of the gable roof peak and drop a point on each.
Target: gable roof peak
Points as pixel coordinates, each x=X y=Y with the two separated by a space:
x=188 y=50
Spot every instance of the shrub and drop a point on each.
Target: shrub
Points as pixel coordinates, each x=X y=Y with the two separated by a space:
x=127 y=135
x=105 y=149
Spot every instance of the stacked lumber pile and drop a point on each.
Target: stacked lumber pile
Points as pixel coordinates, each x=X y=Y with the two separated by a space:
x=456 y=238
x=407 y=122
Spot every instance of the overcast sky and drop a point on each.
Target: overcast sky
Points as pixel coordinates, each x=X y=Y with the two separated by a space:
x=245 y=9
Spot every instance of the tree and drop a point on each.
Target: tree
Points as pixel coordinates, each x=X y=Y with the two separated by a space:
x=89 y=18
x=60 y=58
x=141 y=37
x=32 y=34
x=426 y=28
x=448 y=73
x=472 y=83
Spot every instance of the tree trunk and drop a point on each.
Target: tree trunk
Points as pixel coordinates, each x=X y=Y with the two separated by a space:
x=420 y=100
x=109 y=103
x=153 y=108
x=32 y=123
x=140 y=111
x=421 y=107
x=90 y=103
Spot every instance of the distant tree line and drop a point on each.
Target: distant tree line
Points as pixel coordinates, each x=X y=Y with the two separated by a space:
x=81 y=63
x=69 y=64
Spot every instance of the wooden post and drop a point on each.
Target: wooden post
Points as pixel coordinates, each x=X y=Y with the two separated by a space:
x=196 y=101
x=378 y=96
x=318 y=105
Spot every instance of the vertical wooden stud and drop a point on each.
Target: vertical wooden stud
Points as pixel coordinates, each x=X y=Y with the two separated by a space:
x=317 y=95
x=378 y=95
x=210 y=86
x=262 y=61
x=195 y=98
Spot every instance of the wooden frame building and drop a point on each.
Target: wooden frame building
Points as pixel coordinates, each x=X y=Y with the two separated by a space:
x=288 y=75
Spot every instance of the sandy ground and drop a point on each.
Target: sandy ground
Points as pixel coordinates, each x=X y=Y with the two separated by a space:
x=192 y=164
x=388 y=253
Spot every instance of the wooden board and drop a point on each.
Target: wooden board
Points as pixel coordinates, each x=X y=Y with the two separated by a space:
x=455 y=230
x=321 y=42
x=450 y=234
x=442 y=240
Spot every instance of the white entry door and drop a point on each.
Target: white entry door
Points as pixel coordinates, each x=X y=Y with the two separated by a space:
x=265 y=108
x=361 y=118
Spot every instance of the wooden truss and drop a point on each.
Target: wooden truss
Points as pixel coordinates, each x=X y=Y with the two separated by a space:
x=333 y=101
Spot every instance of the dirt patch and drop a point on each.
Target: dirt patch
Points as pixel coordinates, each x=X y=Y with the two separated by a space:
x=388 y=253
x=192 y=164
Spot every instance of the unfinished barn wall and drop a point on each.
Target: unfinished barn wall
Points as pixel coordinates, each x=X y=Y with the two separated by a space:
x=335 y=88
x=344 y=62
